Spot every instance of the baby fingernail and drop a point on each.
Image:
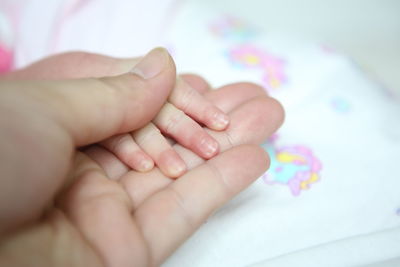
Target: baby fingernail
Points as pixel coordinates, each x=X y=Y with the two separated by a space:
x=152 y=64
x=176 y=169
x=146 y=165
x=220 y=121
x=209 y=147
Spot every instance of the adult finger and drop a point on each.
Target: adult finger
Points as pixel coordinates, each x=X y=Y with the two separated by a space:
x=170 y=216
x=64 y=66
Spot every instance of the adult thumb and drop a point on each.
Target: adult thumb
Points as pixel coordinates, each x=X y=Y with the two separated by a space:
x=43 y=121
x=93 y=109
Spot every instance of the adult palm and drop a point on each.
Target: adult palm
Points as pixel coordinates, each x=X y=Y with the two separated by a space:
x=103 y=213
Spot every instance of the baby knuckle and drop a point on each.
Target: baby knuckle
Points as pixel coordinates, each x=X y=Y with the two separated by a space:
x=149 y=133
x=173 y=122
x=186 y=99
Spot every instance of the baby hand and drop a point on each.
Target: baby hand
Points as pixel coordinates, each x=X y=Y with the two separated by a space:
x=178 y=119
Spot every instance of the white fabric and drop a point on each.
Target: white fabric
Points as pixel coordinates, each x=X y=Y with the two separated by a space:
x=348 y=124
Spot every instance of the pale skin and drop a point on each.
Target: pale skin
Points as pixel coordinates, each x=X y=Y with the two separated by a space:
x=59 y=207
x=178 y=118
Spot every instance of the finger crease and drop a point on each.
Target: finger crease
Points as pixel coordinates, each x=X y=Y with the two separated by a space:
x=150 y=135
x=229 y=139
x=226 y=188
x=173 y=122
x=180 y=202
x=187 y=99
x=118 y=142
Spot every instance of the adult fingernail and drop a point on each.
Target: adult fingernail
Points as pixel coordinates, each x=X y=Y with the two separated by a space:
x=152 y=64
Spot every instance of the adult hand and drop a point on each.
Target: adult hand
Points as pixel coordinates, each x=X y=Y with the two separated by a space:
x=98 y=221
